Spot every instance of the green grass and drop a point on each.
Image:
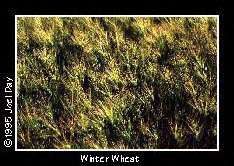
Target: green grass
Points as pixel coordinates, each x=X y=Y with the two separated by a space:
x=117 y=83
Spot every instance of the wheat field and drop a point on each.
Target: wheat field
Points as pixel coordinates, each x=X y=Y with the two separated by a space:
x=117 y=82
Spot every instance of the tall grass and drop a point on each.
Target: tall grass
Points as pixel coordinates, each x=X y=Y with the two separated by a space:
x=116 y=83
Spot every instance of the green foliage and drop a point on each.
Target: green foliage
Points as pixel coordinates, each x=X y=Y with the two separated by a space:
x=117 y=82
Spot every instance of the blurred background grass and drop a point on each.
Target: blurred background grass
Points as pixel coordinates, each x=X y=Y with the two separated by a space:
x=117 y=82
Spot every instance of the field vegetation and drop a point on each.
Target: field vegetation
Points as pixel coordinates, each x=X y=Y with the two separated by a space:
x=116 y=83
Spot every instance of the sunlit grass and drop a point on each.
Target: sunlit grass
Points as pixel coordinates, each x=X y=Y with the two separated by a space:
x=116 y=83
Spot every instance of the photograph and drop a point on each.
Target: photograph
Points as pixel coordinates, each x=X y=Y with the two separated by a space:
x=117 y=82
